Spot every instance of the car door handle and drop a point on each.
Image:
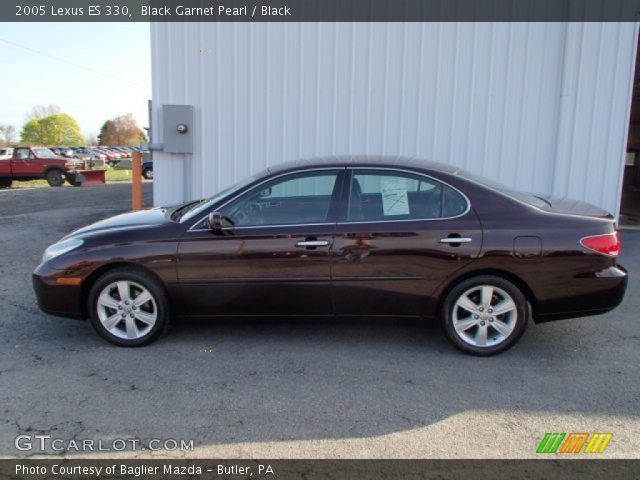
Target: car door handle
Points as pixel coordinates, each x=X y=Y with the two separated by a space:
x=455 y=240
x=312 y=243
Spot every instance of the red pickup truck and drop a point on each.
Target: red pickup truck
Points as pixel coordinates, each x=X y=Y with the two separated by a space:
x=30 y=163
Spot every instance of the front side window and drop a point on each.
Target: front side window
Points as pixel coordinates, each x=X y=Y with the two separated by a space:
x=386 y=195
x=299 y=199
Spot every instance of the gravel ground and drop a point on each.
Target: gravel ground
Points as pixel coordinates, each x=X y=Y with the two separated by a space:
x=299 y=389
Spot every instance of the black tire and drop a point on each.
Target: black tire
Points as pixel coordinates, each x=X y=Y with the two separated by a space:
x=148 y=173
x=144 y=279
x=55 y=178
x=5 y=182
x=518 y=322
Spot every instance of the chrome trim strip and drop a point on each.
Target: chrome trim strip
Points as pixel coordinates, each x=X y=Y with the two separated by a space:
x=468 y=202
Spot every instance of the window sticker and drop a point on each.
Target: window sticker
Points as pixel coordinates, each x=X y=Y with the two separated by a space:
x=394 y=196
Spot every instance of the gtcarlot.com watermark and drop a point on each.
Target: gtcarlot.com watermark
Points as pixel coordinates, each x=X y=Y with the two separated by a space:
x=47 y=443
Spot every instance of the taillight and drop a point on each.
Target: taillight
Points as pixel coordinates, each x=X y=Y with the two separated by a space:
x=608 y=244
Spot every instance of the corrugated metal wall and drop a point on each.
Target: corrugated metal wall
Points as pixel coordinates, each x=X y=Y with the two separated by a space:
x=542 y=107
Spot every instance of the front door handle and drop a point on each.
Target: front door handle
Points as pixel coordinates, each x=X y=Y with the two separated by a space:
x=312 y=243
x=455 y=240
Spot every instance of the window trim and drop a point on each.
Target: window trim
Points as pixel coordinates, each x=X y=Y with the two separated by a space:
x=351 y=172
x=340 y=169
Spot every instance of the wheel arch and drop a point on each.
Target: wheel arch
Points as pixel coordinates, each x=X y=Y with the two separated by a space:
x=54 y=168
x=515 y=279
x=103 y=269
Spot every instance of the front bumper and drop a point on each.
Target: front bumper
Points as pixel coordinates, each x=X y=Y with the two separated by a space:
x=59 y=300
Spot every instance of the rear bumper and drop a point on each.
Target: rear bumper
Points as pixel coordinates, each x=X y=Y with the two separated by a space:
x=593 y=295
x=59 y=300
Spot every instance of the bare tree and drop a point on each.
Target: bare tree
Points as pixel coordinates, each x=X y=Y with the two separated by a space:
x=41 y=111
x=8 y=135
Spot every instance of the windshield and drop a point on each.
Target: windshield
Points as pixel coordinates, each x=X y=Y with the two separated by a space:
x=196 y=208
x=522 y=196
x=43 y=153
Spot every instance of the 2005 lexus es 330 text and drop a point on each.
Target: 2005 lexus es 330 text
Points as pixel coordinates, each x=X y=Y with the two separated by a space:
x=352 y=236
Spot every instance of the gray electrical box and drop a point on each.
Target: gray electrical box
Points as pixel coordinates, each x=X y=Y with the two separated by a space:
x=177 y=128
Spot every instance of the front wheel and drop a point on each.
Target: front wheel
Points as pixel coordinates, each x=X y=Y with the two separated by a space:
x=148 y=173
x=5 y=182
x=484 y=315
x=128 y=307
x=55 y=178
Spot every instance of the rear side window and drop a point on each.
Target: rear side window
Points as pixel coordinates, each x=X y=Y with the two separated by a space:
x=377 y=195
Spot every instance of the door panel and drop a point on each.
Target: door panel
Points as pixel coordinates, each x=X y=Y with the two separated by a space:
x=255 y=272
x=388 y=261
x=25 y=163
x=393 y=268
x=273 y=257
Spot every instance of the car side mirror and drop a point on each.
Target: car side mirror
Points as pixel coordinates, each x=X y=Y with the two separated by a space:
x=215 y=221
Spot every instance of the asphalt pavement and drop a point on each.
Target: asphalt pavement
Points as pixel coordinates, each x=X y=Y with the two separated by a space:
x=298 y=388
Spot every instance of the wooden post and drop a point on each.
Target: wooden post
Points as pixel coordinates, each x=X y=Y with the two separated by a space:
x=136 y=181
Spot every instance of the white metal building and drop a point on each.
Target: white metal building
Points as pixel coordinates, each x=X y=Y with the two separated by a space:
x=543 y=107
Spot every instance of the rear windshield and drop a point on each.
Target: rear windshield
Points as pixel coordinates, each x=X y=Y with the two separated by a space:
x=528 y=198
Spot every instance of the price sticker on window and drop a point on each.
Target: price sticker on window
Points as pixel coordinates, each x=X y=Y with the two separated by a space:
x=395 y=200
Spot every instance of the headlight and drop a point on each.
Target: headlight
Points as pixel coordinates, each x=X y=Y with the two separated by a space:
x=61 y=247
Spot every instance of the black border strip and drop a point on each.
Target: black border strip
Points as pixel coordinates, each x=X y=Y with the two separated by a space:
x=320 y=10
x=324 y=469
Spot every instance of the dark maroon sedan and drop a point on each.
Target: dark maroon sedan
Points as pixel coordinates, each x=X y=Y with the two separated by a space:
x=343 y=236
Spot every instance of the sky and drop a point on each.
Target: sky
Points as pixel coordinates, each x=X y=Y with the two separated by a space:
x=92 y=71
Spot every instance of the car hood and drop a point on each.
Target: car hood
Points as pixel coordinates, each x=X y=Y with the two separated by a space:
x=126 y=221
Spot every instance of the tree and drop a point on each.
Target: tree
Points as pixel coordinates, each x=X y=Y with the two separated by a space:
x=122 y=130
x=41 y=111
x=58 y=129
x=8 y=135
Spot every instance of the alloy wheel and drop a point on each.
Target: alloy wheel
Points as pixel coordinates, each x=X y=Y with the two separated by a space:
x=484 y=316
x=127 y=310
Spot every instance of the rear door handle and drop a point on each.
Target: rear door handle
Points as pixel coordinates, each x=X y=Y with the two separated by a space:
x=312 y=243
x=455 y=240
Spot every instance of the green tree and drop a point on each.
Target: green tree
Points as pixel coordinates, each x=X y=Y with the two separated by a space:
x=122 y=130
x=57 y=129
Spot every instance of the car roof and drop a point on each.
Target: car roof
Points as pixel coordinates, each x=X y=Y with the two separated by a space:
x=388 y=161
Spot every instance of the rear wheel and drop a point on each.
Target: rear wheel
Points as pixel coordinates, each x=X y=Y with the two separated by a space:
x=128 y=307
x=5 y=182
x=55 y=178
x=485 y=315
x=148 y=173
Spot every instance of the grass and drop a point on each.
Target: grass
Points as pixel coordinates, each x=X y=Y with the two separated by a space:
x=115 y=174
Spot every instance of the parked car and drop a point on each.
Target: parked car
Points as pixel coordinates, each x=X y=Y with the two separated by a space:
x=29 y=163
x=6 y=153
x=62 y=151
x=97 y=155
x=124 y=153
x=82 y=154
x=349 y=237
x=112 y=157
x=147 y=170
